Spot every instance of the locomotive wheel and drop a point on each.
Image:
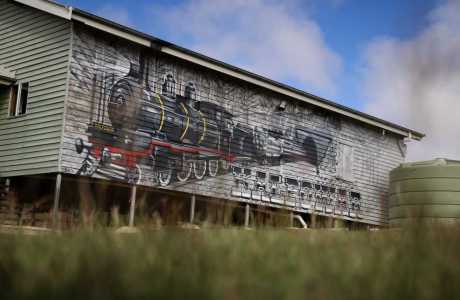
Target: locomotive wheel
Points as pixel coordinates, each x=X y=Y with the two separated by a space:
x=213 y=167
x=225 y=165
x=165 y=176
x=184 y=171
x=199 y=168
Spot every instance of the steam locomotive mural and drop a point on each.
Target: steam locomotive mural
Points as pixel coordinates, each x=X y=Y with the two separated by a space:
x=180 y=136
x=175 y=134
x=183 y=139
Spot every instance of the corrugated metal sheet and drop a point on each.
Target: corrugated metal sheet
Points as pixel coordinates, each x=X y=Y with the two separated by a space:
x=36 y=46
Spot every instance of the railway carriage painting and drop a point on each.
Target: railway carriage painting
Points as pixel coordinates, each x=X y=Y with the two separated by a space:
x=154 y=129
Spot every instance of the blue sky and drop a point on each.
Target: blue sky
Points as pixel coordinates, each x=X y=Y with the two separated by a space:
x=346 y=27
x=351 y=26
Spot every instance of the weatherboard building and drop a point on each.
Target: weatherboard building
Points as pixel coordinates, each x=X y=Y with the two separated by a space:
x=94 y=115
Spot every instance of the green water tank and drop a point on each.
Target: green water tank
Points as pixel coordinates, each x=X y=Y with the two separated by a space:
x=425 y=191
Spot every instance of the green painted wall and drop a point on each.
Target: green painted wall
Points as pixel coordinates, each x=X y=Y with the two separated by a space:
x=36 y=46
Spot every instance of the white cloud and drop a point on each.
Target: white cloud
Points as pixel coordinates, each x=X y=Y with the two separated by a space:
x=115 y=13
x=416 y=82
x=271 y=38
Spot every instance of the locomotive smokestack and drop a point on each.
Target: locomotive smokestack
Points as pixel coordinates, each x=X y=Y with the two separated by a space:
x=136 y=69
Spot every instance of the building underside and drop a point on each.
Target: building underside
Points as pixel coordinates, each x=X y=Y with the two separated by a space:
x=65 y=202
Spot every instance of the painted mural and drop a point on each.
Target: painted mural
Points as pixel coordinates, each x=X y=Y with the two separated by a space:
x=138 y=117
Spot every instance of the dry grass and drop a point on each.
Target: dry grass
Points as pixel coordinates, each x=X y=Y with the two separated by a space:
x=233 y=264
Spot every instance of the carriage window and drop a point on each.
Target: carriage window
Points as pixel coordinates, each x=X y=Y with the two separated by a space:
x=291 y=181
x=274 y=178
x=19 y=94
x=355 y=195
x=261 y=175
x=247 y=172
x=218 y=115
x=306 y=185
x=237 y=170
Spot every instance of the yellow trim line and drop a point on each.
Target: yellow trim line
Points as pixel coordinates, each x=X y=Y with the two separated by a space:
x=204 y=127
x=162 y=106
x=188 y=121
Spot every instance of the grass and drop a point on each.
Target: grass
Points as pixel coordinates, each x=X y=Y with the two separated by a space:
x=233 y=264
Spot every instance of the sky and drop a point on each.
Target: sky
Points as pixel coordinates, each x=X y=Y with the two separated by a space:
x=398 y=60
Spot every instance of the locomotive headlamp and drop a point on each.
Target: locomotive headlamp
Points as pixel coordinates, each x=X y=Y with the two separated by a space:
x=81 y=145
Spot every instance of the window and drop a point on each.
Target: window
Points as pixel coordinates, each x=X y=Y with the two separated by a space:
x=18 y=99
